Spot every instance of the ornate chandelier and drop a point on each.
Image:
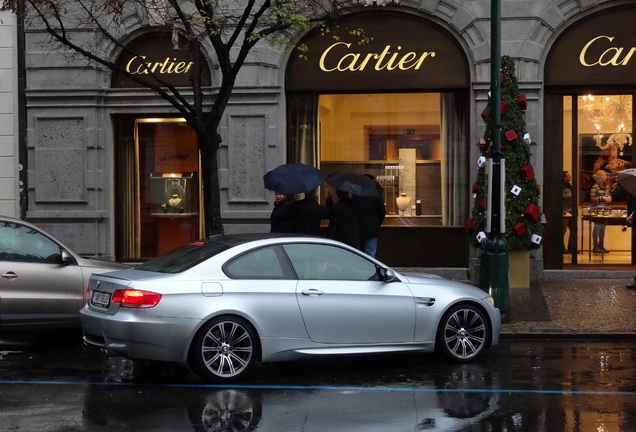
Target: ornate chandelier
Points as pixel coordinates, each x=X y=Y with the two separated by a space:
x=613 y=113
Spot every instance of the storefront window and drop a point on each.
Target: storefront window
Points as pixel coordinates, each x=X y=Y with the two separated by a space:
x=412 y=143
x=159 y=187
x=603 y=142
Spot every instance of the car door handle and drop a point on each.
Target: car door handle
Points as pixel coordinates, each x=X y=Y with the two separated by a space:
x=10 y=275
x=312 y=292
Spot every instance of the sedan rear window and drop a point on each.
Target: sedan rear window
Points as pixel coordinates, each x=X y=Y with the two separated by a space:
x=185 y=257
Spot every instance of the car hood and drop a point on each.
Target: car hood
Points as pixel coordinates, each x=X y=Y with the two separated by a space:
x=432 y=279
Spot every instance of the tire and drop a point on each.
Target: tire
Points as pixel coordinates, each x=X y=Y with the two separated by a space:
x=463 y=334
x=224 y=349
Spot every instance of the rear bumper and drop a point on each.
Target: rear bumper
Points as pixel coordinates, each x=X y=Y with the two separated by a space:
x=135 y=335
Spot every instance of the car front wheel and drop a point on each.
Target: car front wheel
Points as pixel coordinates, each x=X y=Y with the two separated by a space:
x=463 y=333
x=224 y=349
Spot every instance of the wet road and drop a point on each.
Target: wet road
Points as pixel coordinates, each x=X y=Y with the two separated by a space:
x=522 y=385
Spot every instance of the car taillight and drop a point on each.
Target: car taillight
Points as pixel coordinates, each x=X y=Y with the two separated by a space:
x=88 y=291
x=132 y=298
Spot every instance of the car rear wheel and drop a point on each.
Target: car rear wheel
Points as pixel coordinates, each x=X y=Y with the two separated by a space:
x=463 y=333
x=224 y=349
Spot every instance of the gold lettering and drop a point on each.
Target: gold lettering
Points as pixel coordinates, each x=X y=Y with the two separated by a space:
x=139 y=66
x=610 y=57
x=326 y=52
x=357 y=62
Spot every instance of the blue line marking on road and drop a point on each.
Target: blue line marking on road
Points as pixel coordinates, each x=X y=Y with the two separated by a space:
x=328 y=388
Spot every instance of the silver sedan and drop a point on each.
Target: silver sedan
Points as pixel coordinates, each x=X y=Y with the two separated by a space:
x=224 y=303
x=43 y=282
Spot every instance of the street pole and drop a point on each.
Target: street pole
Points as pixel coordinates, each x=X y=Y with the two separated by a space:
x=493 y=277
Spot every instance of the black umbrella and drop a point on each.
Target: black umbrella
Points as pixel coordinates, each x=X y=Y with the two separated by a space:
x=357 y=184
x=293 y=178
x=627 y=179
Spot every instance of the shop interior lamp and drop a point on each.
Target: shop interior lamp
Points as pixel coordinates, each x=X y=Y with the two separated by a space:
x=377 y=2
x=610 y=113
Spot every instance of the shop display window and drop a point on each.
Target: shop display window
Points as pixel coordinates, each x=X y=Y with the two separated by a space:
x=406 y=141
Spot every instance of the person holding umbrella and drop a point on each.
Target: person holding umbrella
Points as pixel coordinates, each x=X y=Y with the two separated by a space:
x=305 y=215
x=372 y=213
x=344 y=220
x=302 y=216
x=277 y=224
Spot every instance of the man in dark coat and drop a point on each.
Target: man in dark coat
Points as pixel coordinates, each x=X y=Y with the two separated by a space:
x=278 y=225
x=372 y=212
x=305 y=215
x=344 y=221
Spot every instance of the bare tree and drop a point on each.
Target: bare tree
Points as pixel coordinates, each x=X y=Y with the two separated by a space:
x=231 y=27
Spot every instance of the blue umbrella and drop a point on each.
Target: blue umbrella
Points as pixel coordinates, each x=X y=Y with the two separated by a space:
x=293 y=178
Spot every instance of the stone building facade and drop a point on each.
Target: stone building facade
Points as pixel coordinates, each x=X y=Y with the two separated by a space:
x=96 y=182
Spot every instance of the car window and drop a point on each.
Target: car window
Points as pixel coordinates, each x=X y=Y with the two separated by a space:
x=22 y=243
x=326 y=262
x=258 y=264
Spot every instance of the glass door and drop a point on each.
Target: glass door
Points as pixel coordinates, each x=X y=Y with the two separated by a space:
x=158 y=187
x=600 y=146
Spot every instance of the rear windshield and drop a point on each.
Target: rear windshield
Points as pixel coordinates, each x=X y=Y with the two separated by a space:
x=185 y=257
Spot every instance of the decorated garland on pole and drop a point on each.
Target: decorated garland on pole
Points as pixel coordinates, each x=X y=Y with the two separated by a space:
x=524 y=228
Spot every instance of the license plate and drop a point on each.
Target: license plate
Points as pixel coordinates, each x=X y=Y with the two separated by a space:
x=100 y=299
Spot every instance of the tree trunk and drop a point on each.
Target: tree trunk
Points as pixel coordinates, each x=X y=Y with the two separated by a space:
x=209 y=142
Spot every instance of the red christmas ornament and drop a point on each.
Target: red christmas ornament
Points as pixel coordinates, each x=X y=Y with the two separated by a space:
x=527 y=172
x=484 y=113
x=531 y=211
x=504 y=107
x=519 y=228
x=522 y=102
x=511 y=135
x=476 y=187
x=469 y=227
x=482 y=203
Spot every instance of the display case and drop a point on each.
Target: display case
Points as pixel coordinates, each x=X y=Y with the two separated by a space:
x=172 y=194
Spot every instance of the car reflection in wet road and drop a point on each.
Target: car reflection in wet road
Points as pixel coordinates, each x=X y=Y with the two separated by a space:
x=522 y=385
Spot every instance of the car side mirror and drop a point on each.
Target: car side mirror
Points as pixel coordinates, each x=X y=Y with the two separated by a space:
x=387 y=274
x=67 y=258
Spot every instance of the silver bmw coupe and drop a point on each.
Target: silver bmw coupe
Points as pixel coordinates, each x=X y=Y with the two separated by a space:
x=223 y=303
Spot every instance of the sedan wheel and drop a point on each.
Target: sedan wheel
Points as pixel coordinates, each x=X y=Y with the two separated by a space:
x=463 y=333
x=224 y=349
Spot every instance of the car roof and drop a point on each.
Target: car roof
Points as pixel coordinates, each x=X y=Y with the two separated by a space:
x=230 y=240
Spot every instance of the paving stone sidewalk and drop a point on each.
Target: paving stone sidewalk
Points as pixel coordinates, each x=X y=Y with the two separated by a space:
x=576 y=307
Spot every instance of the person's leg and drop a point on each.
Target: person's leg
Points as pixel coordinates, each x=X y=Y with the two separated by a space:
x=601 y=239
x=371 y=246
x=595 y=236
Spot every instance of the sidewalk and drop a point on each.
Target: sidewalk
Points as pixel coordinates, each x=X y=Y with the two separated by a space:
x=594 y=306
x=568 y=303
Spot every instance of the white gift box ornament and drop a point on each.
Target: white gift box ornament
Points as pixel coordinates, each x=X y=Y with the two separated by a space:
x=516 y=190
x=527 y=139
x=536 y=239
x=481 y=161
x=481 y=236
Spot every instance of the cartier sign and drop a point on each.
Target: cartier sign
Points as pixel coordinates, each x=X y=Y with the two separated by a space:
x=599 y=50
x=139 y=65
x=157 y=56
x=339 y=58
x=402 y=52
x=611 y=55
